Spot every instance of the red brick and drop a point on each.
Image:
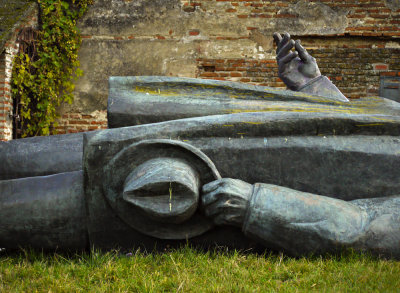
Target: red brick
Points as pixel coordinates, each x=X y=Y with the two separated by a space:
x=285 y=16
x=268 y=61
x=381 y=67
x=97 y=122
x=378 y=15
x=208 y=74
x=392 y=73
x=78 y=122
x=357 y=16
x=194 y=32
x=372 y=34
x=236 y=74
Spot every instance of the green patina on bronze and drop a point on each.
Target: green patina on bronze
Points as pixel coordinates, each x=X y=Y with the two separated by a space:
x=136 y=99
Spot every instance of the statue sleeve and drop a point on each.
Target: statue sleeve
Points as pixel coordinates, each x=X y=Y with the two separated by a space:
x=300 y=222
x=322 y=86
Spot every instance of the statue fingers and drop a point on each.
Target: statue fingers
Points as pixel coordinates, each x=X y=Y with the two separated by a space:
x=288 y=58
x=303 y=54
x=214 y=209
x=211 y=186
x=285 y=39
x=285 y=50
x=210 y=197
x=277 y=38
x=220 y=220
x=215 y=184
x=226 y=218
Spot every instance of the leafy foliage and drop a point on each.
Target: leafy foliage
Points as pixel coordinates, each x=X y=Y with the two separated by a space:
x=45 y=81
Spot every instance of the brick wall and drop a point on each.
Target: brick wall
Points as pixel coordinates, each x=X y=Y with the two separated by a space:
x=354 y=41
x=6 y=60
x=6 y=103
x=80 y=122
x=354 y=67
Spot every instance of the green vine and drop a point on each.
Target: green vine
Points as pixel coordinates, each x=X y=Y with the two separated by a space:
x=45 y=80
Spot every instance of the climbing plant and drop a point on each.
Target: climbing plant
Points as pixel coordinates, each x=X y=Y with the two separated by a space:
x=44 y=80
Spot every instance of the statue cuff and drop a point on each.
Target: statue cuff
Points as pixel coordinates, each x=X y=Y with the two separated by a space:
x=250 y=205
x=322 y=86
x=315 y=79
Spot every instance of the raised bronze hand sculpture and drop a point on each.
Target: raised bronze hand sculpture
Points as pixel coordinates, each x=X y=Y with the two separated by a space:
x=299 y=70
x=296 y=68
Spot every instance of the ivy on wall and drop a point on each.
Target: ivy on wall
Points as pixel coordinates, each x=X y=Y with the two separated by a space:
x=45 y=80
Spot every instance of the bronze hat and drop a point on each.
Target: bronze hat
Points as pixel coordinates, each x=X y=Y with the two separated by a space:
x=154 y=187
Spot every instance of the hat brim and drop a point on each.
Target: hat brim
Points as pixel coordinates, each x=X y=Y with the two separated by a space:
x=119 y=167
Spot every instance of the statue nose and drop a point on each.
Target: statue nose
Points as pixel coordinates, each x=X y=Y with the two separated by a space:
x=165 y=189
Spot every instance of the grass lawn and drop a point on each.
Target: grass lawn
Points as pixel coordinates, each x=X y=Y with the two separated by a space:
x=191 y=270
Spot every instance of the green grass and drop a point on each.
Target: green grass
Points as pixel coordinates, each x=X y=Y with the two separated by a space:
x=190 y=270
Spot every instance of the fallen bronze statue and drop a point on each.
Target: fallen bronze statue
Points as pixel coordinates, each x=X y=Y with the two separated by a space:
x=301 y=170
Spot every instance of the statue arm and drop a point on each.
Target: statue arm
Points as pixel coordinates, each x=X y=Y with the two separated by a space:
x=322 y=86
x=300 y=222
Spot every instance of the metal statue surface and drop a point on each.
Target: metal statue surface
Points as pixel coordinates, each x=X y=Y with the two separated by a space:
x=302 y=170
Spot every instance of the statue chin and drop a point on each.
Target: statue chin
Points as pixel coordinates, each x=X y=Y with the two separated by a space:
x=303 y=171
